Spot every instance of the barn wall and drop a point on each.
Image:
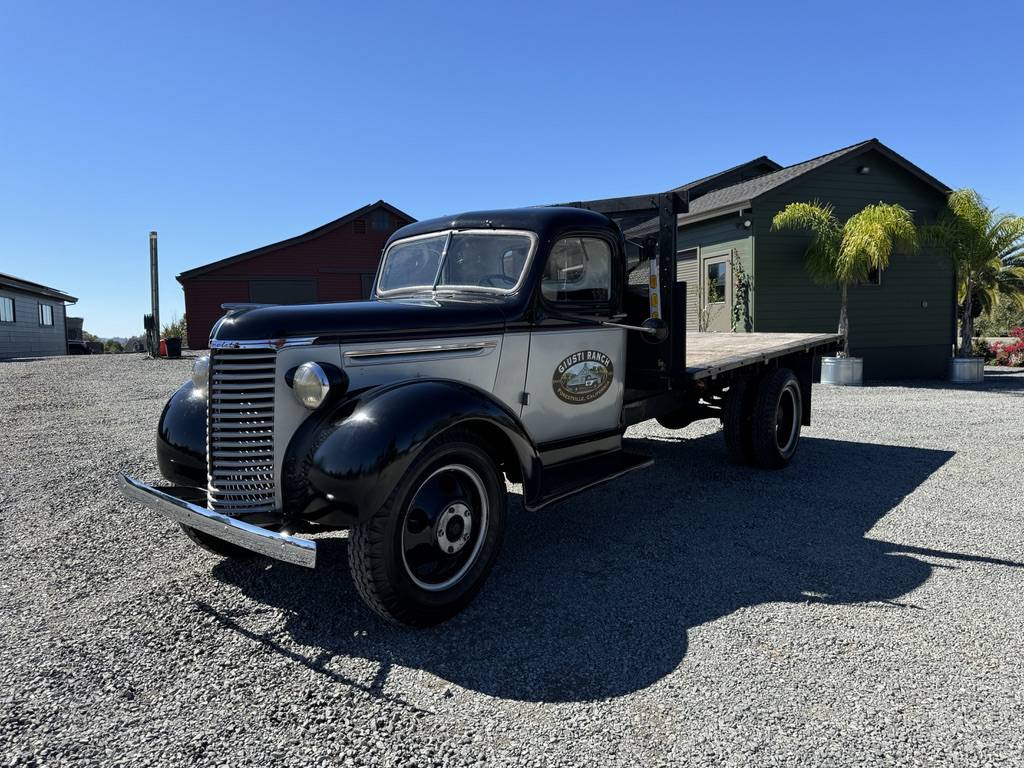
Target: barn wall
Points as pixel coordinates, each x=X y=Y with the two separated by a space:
x=341 y=262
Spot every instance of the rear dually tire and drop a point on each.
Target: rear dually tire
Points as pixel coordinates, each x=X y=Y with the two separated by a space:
x=777 y=416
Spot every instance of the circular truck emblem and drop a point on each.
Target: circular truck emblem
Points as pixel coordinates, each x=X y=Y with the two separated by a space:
x=582 y=377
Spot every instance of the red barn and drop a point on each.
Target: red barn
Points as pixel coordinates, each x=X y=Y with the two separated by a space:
x=335 y=262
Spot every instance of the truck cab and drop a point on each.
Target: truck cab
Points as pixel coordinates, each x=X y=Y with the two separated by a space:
x=497 y=346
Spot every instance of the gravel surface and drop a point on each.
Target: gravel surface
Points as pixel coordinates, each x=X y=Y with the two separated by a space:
x=863 y=606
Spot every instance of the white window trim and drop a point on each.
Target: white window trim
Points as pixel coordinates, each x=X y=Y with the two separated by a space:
x=14 y=311
x=704 y=258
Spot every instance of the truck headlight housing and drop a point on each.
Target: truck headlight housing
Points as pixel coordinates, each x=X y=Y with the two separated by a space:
x=201 y=373
x=311 y=385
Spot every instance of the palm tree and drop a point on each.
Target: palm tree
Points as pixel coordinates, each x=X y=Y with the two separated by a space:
x=844 y=254
x=987 y=249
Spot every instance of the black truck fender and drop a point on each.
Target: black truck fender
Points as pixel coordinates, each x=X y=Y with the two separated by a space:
x=181 y=437
x=359 y=454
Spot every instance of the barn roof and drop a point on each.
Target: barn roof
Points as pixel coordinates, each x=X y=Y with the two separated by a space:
x=312 y=234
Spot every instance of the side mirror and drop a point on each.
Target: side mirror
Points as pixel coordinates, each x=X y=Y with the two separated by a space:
x=656 y=330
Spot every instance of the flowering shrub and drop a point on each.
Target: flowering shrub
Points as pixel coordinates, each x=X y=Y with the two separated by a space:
x=1011 y=353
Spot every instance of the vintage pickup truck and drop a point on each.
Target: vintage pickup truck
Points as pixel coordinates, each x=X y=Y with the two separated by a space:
x=497 y=345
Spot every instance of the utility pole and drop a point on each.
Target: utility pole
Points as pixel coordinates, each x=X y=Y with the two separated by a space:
x=154 y=285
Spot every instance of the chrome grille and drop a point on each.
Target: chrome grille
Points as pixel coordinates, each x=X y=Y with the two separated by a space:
x=240 y=431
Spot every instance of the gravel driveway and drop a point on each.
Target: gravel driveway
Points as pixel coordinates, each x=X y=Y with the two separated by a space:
x=864 y=606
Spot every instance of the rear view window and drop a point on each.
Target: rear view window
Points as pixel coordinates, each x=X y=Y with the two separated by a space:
x=578 y=270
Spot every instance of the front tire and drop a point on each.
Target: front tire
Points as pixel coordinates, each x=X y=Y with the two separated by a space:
x=423 y=556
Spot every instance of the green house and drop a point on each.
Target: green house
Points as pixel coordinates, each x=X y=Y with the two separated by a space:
x=742 y=276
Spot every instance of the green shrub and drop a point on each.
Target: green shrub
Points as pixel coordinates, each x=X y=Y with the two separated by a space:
x=1001 y=322
x=981 y=348
x=175 y=329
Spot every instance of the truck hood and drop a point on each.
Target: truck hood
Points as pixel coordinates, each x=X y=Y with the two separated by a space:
x=407 y=318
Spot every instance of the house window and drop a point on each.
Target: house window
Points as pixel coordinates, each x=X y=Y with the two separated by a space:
x=45 y=314
x=578 y=271
x=380 y=221
x=359 y=226
x=6 y=309
x=715 y=282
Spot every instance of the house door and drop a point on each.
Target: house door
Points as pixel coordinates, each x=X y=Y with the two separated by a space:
x=716 y=277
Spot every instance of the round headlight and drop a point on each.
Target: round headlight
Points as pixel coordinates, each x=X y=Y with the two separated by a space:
x=310 y=385
x=201 y=372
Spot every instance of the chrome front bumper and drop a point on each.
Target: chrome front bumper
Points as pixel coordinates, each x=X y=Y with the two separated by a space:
x=280 y=546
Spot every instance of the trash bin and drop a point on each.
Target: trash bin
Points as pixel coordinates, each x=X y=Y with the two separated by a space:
x=171 y=348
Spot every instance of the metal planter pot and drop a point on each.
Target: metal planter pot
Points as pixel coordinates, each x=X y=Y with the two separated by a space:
x=842 y=371
x=967 y=370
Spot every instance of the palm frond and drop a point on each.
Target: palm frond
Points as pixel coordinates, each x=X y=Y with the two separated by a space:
x=1007 y=236
x=869 y=238
x=820 y=221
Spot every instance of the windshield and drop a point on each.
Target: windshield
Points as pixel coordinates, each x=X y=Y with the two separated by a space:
x=491 y=261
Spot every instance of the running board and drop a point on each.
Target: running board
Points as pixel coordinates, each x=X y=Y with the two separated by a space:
x=560 y=481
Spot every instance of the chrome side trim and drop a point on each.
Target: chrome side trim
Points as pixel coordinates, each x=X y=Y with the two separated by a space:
x=262 y=343
x=290 y=549
x=427 y=349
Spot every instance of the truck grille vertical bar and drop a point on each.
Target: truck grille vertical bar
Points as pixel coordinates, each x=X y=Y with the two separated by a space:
x=240 y=430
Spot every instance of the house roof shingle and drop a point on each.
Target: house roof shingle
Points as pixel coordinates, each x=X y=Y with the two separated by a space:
x=741 y=194
x=28 y=286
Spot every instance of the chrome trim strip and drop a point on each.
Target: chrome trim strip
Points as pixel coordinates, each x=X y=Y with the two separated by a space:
x=263 y=343
x=290 y=549
x=472 y=346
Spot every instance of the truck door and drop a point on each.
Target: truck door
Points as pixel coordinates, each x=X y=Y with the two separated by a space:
x=575 y=373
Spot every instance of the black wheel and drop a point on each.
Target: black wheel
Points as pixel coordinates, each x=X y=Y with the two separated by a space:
x=679 y=419
x=778 y=410
x=215 y=545
x=737 y=418
x=427 y=552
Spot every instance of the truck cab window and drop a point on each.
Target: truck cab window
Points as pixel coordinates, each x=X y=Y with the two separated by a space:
x=413 y=264
x=578 y=271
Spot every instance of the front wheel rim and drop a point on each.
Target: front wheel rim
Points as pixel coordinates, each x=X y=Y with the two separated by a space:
x=443 y=527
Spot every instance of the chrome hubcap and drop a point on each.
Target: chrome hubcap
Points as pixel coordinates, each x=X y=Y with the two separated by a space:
x=453 y=528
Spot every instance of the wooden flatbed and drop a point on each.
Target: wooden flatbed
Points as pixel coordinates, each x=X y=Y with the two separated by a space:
x=709 y=354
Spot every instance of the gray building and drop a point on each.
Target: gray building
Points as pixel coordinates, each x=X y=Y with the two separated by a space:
x=32 y=319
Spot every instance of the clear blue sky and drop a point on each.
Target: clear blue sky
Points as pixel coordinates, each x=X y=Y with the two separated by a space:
x=226 y=126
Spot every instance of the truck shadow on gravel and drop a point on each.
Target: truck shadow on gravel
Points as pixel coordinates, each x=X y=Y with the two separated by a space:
x=594 y=598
